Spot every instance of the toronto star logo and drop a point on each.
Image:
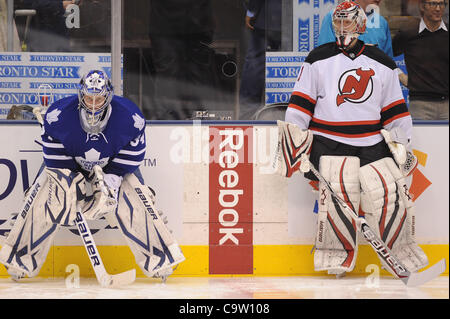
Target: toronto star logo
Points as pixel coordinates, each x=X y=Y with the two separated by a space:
x=355 y=86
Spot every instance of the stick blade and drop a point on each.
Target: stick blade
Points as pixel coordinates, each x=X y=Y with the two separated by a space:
x=122 y=279
x=419 y=278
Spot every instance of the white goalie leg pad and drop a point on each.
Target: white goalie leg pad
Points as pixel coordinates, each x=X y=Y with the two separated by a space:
x=155 y=249
x=66 y=193
x=389 y=210
x=293 y=142
x=27 y=244
x=336 y=237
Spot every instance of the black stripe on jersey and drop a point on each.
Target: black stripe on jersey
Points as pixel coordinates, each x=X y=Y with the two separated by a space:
x=323 y=52
x=303 y=103
x=360 y=129
x=393 y=112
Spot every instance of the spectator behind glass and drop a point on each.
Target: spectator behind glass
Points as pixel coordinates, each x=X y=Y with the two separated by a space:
x=263 y=19
x=377 y=29
x=48 y=31
x=180 y=34
x=424 y=44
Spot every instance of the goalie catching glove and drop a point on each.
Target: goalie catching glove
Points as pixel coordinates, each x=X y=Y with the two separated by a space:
x=104 y=188
x=293 y=144
x=400 y=148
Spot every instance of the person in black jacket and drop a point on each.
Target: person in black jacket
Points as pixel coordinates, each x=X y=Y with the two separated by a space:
x=48 y=31
x=263 y=18
x=424 y=44
x=180 y=34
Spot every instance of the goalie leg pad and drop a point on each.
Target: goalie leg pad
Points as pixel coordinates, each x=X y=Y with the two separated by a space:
x=155 y=249
x=66 y=192
x=336 y=237
x=26 y=246
x=389 y=210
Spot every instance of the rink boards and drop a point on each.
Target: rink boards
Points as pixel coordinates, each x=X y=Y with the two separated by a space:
x=229 y=212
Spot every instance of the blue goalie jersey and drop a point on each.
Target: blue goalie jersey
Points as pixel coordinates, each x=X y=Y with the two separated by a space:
x=119 y=149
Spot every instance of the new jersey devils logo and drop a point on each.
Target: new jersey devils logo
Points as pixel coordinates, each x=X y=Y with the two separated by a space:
x=355 y=86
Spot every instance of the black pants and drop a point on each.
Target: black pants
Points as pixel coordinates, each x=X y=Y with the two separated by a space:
x=325 y=146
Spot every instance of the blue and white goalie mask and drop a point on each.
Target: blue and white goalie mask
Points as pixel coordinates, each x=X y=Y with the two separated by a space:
x=95 y=94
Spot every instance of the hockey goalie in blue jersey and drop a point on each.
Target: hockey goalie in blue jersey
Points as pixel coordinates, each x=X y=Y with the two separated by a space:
x=100 y=130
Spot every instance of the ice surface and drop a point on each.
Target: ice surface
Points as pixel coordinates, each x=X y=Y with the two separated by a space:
x=238 y=287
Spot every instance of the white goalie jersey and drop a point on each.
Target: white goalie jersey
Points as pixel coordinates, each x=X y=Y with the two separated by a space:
x=348 y=97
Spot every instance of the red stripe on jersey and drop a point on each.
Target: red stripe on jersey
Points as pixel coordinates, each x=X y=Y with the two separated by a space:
x=299 y=108
x=402 y=101
x=396 y=118
x=346 y=123
x=362 y=49
x=305 y=96
x=358 y=54
x=343 y=134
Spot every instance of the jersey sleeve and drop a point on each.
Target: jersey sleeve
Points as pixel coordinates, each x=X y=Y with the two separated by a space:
x=129 y=158
x=55 y=155
x=326 y=33
x=394 y=111
x=303 y=99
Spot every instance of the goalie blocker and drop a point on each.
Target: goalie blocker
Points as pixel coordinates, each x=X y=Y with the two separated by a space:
x=54 y=199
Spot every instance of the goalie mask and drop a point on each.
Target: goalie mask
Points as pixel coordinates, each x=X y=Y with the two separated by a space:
x=45 y=94
x=95 y=94
x=349 y=21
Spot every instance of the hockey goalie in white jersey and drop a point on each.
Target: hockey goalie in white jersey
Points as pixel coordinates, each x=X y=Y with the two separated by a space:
x=100 y=130
x=348 y=115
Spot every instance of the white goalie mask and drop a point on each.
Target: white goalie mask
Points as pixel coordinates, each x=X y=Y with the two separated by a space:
x=349 y=21
x=95 y=94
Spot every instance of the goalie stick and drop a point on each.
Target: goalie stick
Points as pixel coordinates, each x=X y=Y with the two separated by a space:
x=389 y=260
x=105 y=279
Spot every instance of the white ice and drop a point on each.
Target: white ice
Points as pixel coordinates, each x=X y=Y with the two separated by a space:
x=238 y=287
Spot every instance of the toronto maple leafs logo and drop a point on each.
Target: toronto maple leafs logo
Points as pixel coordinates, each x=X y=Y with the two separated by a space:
x=139 y=122
x=90 y=159
x=53 y=116
x=95 y=82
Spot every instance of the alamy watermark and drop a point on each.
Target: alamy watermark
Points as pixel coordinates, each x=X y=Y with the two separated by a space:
x=373 y=279
x=73 y=279
x=72 y=16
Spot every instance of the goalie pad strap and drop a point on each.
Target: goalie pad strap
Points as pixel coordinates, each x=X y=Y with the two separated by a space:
x=389 y=210
x=336 y=237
